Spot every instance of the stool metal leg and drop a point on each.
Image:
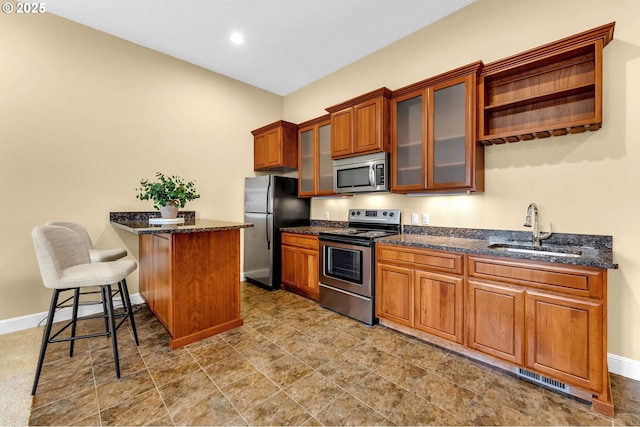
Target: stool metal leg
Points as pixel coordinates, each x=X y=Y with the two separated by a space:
x=74 y=319
x=106 y=293
x=45 y=338
x=124 y=293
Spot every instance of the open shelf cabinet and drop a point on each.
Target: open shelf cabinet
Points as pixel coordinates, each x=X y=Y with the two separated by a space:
x=554 y=89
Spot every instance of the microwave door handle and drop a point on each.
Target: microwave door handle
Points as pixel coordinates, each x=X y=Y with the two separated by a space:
x=372 y=175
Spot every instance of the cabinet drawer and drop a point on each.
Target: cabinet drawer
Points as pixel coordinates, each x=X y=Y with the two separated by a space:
x=420 y=258
x=300 y=240
x=576 y=280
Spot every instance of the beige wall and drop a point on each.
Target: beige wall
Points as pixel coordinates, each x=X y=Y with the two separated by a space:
x=84 y=116
x=584 y=183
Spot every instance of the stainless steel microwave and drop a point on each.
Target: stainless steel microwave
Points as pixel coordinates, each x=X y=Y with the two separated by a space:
x=361 y=174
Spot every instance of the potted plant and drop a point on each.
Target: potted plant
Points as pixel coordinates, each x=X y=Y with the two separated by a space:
x=168 y=193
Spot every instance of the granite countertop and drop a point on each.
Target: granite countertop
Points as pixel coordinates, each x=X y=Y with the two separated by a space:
x=590 y=256
x=138 y=223
x=596 y=251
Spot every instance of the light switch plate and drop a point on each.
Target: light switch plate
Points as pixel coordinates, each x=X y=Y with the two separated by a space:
x=414 y=219
x=425 y=219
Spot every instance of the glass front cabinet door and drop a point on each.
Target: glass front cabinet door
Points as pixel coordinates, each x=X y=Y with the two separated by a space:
x=315 y=170
x=433 y=135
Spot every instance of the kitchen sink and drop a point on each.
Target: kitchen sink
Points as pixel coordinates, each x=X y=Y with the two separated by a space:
x=535 y=250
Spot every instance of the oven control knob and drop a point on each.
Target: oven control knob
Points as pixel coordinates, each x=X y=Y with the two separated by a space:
x=391 y=214
x=358 y=213
x=384 y=213
x=353 y=214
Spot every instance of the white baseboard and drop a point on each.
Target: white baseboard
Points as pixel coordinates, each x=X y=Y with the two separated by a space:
x=624 y=366
x=619 y=365
x=37 y=319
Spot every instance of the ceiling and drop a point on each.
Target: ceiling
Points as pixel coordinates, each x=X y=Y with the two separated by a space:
x=288 y=43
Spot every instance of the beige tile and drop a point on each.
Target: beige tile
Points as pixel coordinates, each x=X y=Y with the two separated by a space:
x=286 y=370
x=263 y=353
x=106 y=372
x=212 y=410
x=346 y=410
x=249 y=391
x=377 y=392
x=415 y=411
x=230 y=369
x=444 y=394
x=278 y=410
x=316 y=354
x=138 y=410
x=424 y=355
x=67 y=410
x=464 y=372
x=187 y=390
x=314 y=392
x=119 y=390
x=169 y=371
x=343 y=371
x=556 y=409
x=50 y=391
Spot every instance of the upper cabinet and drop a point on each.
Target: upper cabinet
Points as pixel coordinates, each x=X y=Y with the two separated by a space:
x=433 y=134
x=554 y=89
x=315 y=166
x=360 y=125
x=275 y=147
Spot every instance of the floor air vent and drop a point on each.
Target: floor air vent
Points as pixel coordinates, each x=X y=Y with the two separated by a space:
x=542 y=380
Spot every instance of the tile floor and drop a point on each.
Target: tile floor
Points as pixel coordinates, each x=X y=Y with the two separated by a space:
x=295 y=363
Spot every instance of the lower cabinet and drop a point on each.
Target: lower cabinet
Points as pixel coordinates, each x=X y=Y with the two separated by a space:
x=496 y=320
x=155 y=283
x=546 y=318
x=300 y=264
x=191 y=282
x=412 y=290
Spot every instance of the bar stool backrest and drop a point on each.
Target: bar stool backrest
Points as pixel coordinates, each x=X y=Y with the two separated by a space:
x=57 y=248
x=84 y=234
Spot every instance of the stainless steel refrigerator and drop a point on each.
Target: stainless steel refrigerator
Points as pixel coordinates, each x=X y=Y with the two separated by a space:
x=270 y=202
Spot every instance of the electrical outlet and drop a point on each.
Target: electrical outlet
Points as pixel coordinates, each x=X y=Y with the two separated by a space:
x=425 y=219
x=414 y=219
x=326 y=215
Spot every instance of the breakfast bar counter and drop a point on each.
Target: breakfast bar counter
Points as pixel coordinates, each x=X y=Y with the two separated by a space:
x=189 y=273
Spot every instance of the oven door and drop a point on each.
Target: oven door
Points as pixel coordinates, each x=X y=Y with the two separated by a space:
x=347 y=267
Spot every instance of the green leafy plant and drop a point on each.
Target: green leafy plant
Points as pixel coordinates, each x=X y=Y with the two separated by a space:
x=166 y=189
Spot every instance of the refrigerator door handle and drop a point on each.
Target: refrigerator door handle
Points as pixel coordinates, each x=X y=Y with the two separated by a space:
x=268 y=207
x=268 y=228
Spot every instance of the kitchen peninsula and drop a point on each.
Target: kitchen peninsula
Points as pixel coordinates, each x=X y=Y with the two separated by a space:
x=189 y=273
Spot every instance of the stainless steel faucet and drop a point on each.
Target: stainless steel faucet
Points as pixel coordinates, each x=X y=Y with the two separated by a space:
x=537 y=236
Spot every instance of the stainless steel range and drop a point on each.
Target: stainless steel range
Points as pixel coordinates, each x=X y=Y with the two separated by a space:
x=347 y=262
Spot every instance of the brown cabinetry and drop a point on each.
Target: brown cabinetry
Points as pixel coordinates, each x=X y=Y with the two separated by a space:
x=544 y=318
x=433 y=134
x=275 y=147
x=496 y=320
x=315 y=166
x=554 y=89
x=191 y=282
x=155 y=284
x=360 y=125
x=421 y=289
x=300 y=264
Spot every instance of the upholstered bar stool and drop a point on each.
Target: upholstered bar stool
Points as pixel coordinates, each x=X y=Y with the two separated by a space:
x=96 y=255
x=65 y=265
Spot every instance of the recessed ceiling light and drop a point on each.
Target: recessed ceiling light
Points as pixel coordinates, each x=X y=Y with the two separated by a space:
x=236 y=38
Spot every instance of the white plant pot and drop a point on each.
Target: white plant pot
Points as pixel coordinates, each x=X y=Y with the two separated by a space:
x=169 y=211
